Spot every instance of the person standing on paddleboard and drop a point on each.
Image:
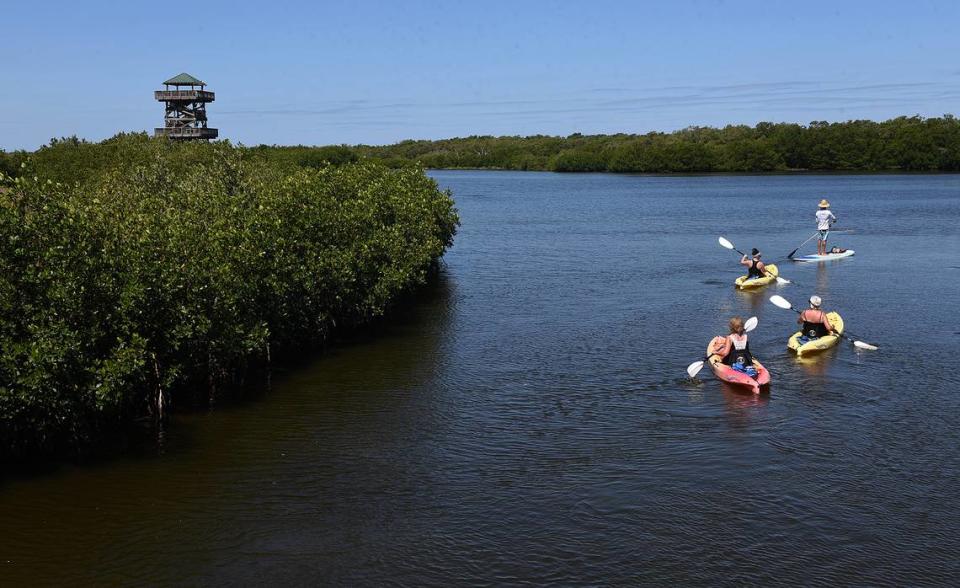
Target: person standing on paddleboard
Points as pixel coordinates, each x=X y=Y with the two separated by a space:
x=814 y=322
x=754 y=264
x=825 y=219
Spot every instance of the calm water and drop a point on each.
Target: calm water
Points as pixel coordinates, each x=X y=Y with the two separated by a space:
x=531 y=422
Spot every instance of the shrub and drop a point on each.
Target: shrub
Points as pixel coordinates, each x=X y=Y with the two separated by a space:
x=180 y=265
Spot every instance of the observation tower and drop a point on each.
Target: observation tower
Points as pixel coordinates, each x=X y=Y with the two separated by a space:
x=186 y=110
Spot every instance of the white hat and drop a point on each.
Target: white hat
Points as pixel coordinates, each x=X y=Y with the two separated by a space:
x=815 y=301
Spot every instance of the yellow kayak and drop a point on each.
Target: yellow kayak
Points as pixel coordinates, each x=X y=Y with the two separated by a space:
x=771 y=276
x=820 y=343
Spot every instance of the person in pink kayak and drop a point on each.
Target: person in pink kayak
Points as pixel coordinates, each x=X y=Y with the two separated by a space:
x=814 y=322
x=825 y=220
x=735 y=348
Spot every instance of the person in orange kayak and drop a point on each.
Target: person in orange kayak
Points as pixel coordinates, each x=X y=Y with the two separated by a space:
x=735 y=348
x=754 y=265
x=814 y=322
x=825 y=220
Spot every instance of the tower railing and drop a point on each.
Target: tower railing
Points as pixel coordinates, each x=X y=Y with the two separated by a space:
x=177 y=95
x=186 y=132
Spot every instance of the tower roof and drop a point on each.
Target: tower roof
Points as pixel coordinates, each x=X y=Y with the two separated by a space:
x=184 y=79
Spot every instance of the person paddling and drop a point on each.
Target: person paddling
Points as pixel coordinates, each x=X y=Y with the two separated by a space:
x=754 y=264
x=814 y=322
x=825 y=219
x=735 y=349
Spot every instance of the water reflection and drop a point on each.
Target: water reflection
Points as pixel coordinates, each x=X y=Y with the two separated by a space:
x=275 y=456
x=817 y=364
x=752 y=299
x=823 y=281
x=740 y=398
x=740 y=406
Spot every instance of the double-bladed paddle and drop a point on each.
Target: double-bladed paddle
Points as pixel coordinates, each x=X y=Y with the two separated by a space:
x=694 y=368
x=783 y=303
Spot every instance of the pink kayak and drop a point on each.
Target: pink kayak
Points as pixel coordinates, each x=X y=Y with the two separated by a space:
x=731 y=376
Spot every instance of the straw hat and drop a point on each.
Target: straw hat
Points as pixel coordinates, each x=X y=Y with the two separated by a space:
x=824 y=203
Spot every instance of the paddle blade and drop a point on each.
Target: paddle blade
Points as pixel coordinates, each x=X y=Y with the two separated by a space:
x=751 y=324
x=780 y=301
x=782 y=280
x=724 y=243
x=862 y=345
x=694 y=368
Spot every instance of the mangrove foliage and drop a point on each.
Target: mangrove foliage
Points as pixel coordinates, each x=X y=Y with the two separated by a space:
x=136 y=271
x=900 y=144
x=913 y=144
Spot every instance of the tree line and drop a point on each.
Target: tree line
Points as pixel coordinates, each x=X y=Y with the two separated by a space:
x=899 y=144
x=136 y=273
x=904 y=143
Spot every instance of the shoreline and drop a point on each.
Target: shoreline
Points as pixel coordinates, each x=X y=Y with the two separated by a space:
x=711 y=173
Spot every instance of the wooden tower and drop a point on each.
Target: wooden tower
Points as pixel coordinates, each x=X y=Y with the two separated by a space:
x=186 y=110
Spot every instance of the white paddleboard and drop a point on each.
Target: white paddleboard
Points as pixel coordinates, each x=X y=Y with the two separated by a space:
x=826 y=257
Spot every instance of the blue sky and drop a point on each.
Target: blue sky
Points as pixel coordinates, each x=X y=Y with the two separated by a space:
x=378 y=72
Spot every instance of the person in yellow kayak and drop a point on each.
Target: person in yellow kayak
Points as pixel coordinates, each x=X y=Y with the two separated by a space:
x=734 y=349
x=754 y=265
x=825 y=220
x=814 y=322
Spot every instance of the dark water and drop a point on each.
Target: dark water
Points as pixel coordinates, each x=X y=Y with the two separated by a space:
x=531 y=422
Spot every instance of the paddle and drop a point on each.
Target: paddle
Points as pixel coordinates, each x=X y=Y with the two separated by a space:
x=694 y=368
x=728 y=245
x=794 y=252
x=783 y=303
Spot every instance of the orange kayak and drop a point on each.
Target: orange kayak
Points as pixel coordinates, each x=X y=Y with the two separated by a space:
x=729 y=375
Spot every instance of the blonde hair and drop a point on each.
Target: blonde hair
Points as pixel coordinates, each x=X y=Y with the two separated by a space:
x=736 y=325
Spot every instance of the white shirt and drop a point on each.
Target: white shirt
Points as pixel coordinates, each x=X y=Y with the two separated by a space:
x=824 y=217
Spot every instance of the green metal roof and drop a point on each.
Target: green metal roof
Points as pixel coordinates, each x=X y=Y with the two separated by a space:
x=184 y=79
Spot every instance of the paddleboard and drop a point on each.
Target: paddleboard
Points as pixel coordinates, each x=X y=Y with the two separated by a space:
x=827 y=257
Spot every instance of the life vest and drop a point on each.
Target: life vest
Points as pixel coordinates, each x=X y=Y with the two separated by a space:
x=739 y=351
x=813 y=330
x=753 y=272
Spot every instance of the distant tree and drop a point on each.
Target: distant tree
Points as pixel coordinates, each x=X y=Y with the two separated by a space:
x=750 y=155
x=323 y=156
x=573 y=160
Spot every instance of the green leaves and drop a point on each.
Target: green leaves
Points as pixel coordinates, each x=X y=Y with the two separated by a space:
x=177 y=264
x=910 y=143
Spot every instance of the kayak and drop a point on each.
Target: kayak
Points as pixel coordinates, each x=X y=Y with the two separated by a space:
x=818 y=344
x=727 y=374
x=827 y=257
x=771 y=276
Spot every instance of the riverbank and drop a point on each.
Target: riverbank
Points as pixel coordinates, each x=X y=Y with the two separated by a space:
x=788 y=172
x=177 y=268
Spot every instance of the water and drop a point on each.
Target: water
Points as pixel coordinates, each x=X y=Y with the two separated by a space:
x=530 y=420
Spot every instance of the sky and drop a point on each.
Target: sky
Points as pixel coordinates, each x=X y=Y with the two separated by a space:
x=323 y=72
